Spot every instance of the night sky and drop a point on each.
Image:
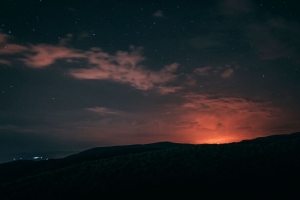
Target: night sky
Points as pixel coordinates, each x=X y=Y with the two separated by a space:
x=87 y=73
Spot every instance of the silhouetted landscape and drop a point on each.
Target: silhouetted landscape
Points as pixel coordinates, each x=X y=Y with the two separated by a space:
x=170 y=99
x=164 y=167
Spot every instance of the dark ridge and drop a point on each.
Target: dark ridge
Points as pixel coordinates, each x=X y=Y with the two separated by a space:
x=263 y=167
x=15 y=170
x=127 y=148
x=273 y=138
x=112 y=151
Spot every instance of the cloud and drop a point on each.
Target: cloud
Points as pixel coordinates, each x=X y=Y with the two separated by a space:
x=224 y=71
x=159 y=14
x=223 y=104
x=12 y=49
x=84 y=35
x=38 y=56
x=43 y=55
x=204 y=71
x=227 y=73
x=210 y=118
x=3 y=38
x=104 y=111
x=235 y=7
x=66 y=40
x=275 y=39
x=166 y=89
x=5 y=62
x=124 y=67
x=195 y=118
x=7 y=48
x=199 y=118
x=209 y=41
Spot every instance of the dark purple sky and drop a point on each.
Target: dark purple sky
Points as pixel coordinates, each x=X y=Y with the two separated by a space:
x=80 y=74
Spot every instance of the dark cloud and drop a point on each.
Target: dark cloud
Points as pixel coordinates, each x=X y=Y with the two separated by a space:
x=225 y=72
x=275 y=39
x=203 y=71
x=211 y=41
x=158 y=14
x=236 y=7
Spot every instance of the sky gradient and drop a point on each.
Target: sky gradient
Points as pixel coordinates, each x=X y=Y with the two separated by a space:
x=81 y=74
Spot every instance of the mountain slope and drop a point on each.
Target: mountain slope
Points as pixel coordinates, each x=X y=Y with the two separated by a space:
x=183 y=169
x=273 y=138
x=18 y=169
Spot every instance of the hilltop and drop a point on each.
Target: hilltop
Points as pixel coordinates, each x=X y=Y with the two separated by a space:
x=168 y=168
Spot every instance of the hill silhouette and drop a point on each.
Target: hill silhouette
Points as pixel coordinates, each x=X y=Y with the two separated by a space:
x=266 y=165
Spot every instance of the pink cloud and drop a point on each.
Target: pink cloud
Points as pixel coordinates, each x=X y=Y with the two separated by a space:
x=204 y=71
x=227 y=73
x=223 y=104
x=66 y=40
x=3 y=38
x=104 y=111
x=168 y=89
x=5 y=62
x=158 y=13
x=198 y=119
x=12 y=49
x=43 y=55
x=205 y=118
x=7 y=48
x=124 y=67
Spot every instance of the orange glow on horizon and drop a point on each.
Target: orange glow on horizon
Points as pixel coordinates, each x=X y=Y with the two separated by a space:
x=220 y=140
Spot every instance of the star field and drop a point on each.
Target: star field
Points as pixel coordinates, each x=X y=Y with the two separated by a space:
x=80 y=74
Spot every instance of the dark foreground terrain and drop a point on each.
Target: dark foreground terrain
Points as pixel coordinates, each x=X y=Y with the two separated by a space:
x=262 y=168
